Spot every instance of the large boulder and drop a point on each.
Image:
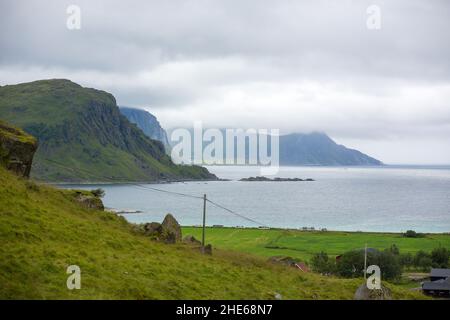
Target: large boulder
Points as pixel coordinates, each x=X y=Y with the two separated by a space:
x=90 y=202
x=86 y=199
x=364 y=293
x=171 y=230
x=191 y=240
x=153 y=230
x=207 y=249
x=16 y=149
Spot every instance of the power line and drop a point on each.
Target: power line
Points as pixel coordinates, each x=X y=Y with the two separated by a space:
x=160 y=190
x=121 y=180
x=236 y=214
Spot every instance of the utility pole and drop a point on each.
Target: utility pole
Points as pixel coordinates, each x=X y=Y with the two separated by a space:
x=365 y=262
x=204 y=221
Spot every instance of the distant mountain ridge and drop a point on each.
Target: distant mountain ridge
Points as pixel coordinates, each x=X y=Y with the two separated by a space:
x=308 y=149
x=148 y=123
x=317 y=148
x=83 y=129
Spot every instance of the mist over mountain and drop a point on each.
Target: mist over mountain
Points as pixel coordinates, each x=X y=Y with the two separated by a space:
x=297 y=149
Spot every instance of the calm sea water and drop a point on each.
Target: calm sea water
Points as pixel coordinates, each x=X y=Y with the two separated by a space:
x=359 y=198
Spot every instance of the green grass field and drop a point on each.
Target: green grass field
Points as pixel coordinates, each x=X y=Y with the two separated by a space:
x=304 y=244
x=43 y=231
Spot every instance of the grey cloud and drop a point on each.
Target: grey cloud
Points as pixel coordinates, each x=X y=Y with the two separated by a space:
x=295 y=65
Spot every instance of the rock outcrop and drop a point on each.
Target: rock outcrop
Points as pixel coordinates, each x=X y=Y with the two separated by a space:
x=207 y=249
x=16 y=149
x=169 y=231
x=191 y=240
x=90 y=201
x=148 y=124
x=364 y=293
x=153 y=228
x=87 y=199
x=84 y=125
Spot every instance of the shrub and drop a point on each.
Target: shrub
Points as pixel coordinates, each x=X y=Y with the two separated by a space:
x=406 y=260
x=422 y=260
x=394 y=250
x=412 y=234
x=321 y=263
x=439 y=257
x=351 y=264
x=389 y=264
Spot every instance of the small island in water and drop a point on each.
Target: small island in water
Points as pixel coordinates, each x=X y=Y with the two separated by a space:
x=261 y=178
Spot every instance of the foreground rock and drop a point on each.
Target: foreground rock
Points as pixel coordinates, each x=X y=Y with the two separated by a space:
x=207 y=249
x=169 y=231
x=290 y=262
x=16 y=149
x=191 y=240
x=364 y=293
x=197 y=245
x=87 y=199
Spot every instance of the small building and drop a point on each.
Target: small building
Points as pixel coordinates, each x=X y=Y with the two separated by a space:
x=437 y=288
x=439 y=274
x=439 y=284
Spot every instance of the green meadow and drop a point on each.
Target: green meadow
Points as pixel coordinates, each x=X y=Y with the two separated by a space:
x=43 y=231
x=304 y=244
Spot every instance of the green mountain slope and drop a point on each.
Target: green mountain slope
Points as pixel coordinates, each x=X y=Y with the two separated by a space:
x=43 y=231
x=83 y=129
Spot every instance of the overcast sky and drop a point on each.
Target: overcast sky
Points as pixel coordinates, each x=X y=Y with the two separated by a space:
x=295 y=65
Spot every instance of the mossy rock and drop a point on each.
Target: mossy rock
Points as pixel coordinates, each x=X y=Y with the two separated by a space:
x=16 y=149
x=86 y=199
x=364 y=293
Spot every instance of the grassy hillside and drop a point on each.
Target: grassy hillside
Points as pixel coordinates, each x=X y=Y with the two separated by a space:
x=42 y=231
x=304 y=244
x=84 y=129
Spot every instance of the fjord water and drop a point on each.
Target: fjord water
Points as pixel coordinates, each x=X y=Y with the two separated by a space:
x=356 y=198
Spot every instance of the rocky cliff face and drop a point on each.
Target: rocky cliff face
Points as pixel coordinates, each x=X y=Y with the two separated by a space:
x=83 y=136
x=148 y=124
x=16 y=149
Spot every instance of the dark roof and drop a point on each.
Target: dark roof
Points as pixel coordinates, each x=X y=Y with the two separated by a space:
x=437 y=285
x=444 y=273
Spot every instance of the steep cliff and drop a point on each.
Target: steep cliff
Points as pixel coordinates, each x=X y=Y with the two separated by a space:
x=83 y=136
x=148 y=124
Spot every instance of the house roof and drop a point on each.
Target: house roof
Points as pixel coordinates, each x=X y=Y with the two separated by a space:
x=444 y=273
x=437 y=285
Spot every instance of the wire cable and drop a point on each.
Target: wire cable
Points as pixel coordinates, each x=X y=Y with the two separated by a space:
x=236 y=214
x=160 y=190
x=128 y=183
